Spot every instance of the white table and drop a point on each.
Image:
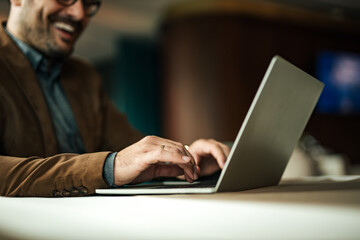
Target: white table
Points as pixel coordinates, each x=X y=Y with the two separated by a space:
x=307 y=208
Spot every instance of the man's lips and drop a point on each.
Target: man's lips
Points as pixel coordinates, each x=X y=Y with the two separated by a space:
x=65 y=27
x=67 y=31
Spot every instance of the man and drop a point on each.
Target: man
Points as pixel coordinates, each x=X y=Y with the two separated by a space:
x=60 y=135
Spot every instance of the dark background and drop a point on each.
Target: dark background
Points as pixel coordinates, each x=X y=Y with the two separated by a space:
x=189 y=69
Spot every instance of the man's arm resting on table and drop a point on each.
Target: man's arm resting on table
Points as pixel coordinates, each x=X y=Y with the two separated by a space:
x=77 y=175
x=59 y=175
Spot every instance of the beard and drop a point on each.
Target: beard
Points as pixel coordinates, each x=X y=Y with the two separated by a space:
x=41 y=37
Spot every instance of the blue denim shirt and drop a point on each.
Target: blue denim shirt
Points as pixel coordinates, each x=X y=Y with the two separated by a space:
x=65 y=127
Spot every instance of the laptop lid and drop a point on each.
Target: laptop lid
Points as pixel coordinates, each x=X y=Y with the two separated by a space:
x=272 y=127
x=270 y=131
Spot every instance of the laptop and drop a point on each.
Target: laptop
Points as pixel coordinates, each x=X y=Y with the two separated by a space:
x=270 y=131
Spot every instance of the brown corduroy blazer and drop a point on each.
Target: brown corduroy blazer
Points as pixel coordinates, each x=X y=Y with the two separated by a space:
x=30 y=164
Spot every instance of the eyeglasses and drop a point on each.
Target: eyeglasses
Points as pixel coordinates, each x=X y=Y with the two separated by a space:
x=90 y=6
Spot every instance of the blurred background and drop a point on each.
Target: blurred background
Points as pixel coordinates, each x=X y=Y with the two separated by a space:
x=185 y=69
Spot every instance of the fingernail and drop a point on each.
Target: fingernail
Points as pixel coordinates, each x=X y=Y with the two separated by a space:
x=186 y=158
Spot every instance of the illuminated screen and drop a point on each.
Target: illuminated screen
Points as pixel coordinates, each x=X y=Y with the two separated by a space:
x=340 y=72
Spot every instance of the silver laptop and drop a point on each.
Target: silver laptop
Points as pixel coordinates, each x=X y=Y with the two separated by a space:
x=271 y=129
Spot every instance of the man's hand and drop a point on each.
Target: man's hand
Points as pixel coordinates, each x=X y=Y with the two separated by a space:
x=209 y=155
x=153 y=157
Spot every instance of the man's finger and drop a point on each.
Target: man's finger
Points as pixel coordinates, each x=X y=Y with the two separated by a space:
x=183 y=161
x=168 y=170
x=166 y=144
x=186 y=148
x=211 y=147
x=226 y=148
x=219 y=155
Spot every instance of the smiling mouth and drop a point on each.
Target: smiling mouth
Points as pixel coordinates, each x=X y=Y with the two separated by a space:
x=68 y=28
x=68 y=32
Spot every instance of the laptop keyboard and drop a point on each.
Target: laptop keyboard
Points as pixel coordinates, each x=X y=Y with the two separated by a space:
x=173 y=184
x=184 y=186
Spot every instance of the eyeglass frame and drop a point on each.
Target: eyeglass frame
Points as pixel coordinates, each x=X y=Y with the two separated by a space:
x=93 y=2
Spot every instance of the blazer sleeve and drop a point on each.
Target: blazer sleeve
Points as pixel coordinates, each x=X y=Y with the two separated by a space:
x=55 y=176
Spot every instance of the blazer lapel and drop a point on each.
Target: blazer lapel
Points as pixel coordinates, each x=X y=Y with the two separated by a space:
x=25 y=76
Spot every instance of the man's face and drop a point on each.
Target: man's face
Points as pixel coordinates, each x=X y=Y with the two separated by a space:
x=50 y=27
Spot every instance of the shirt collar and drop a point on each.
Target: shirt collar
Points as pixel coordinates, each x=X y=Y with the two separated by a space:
x=36 y=59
